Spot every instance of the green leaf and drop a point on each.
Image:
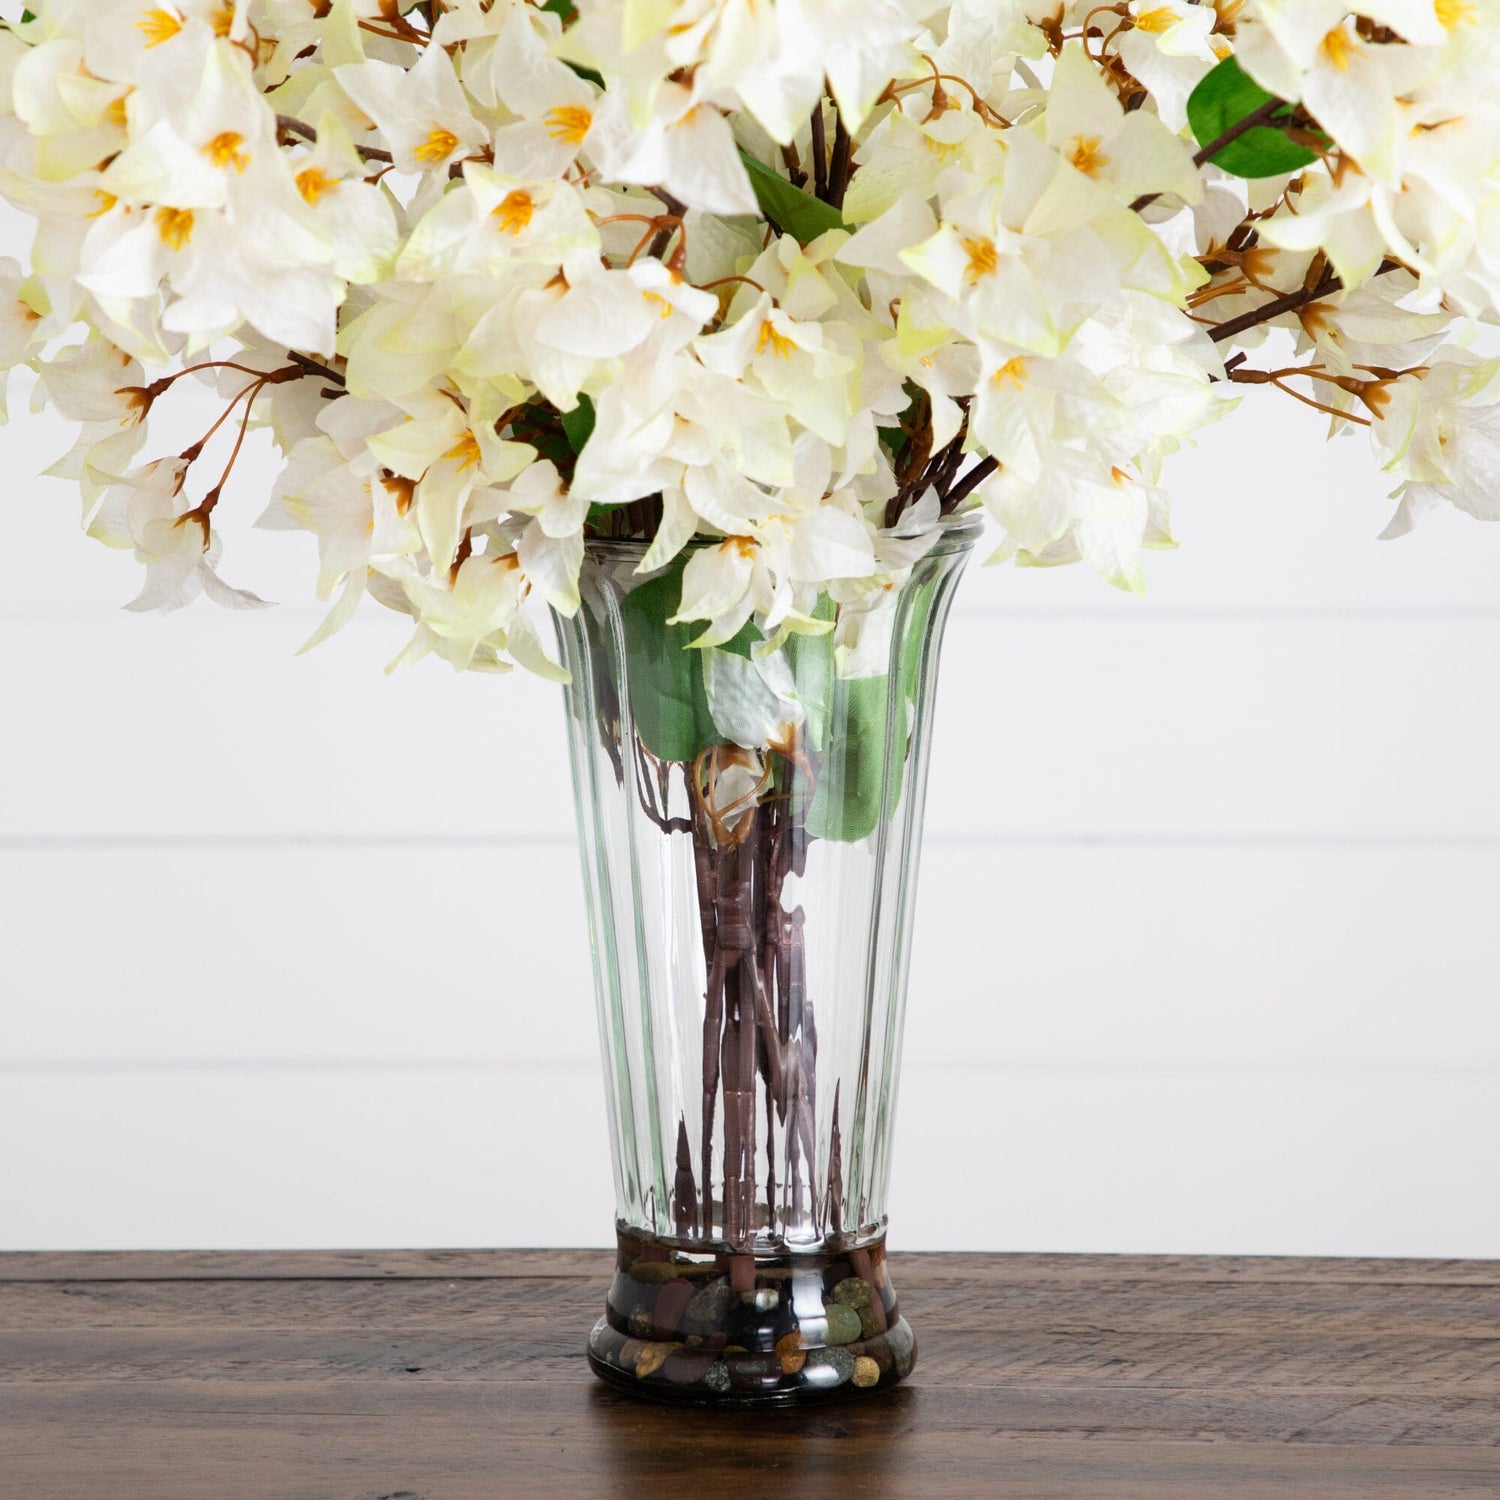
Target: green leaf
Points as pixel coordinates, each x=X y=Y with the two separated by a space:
x=792 y=210
x=812 y=662
x=579 y=423
x=1224 y=98
x=847 y=804
x=667 y=695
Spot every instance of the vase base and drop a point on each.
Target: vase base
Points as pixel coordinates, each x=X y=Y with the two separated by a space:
x=705 y=1326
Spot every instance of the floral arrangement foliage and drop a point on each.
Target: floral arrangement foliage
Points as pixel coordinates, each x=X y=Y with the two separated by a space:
x=798 y=280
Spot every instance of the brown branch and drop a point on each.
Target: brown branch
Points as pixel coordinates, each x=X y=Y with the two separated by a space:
x=841 y=166
x=969 y=483
x=1327 y=286
x=289 y=125
x=315 y=367
x=820 y=153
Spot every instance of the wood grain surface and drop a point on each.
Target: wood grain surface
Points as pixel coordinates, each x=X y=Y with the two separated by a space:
x=461 y=1376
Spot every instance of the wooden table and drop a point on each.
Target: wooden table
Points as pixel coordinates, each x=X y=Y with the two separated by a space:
x=461 y=1377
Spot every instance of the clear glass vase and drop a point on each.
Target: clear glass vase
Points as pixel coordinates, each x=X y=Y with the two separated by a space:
x=750 y=817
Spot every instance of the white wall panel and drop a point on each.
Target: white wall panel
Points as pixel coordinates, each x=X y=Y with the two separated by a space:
x=1092 y=1160
x=1277 y=960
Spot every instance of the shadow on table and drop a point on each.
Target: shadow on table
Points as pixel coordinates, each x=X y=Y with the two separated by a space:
x=858 y=1444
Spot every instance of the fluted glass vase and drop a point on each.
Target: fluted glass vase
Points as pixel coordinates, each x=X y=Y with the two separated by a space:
x=750 y=817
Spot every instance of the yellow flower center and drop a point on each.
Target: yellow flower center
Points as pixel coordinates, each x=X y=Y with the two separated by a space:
x=223 y=20
x=315 y=184
x=438 y=146
x=175 y=225
x=983 y=258
x=778 y=343
x=663 y=307
x=1455 y=13
x=1083 y=151
x=158 y=26
x=1338 y=47
x=224 y=151
x=515 y=211
x=569 y=123
x=117 y=114
x=1158 y=19
x=466 y=452
x=107 y=202
x=1013 y=373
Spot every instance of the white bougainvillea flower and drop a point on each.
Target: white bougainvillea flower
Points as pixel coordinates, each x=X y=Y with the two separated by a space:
x=359 y=218
x=683 y=146
x=1171 y=46
x=550 y=548
x=1131 y=152
x=453 y=459
x=422 y=112
x=1080 y=510
x=1439 y=432
x=511 y=69
x=497 y=222
x=1313 y=51
x=470 y=622
x=147 y=511
x=335 y=487
x=677 y=416
x=804 y=365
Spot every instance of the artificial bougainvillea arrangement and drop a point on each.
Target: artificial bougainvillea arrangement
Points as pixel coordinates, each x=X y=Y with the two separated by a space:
x=802 y=278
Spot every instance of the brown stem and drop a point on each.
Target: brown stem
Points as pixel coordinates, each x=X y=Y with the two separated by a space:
x=684 y=1189
x=316 y=367
x=1327 y=285
x=969 y=483
x=288 y=125
x=841 y=166
x=820 y=153
x=836 y=1170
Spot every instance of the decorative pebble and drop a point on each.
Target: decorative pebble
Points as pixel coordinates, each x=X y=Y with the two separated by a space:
x=791 y=1350
x=866 y=1372
x=828 y=1367
x=868 y=1327
x=652 y=1358
x=843 y=1323
x=762 y=1299
x=641 y=1322
x=854 y=1291
x=711 y=1305
x=717 y=1378
x=630 y=1351
x=757 y=1374
x=671 y=1304
x=903 y=1348
x=653 y=1272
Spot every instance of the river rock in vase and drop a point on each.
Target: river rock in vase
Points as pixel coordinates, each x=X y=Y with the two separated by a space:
x=750 y=816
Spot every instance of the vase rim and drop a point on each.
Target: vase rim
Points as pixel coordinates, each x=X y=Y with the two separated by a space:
x=955 y=534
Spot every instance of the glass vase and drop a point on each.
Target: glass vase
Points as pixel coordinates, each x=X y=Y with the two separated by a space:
x=750 y=818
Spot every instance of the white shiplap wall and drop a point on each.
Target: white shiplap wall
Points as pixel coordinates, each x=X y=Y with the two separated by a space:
x=292 y=954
